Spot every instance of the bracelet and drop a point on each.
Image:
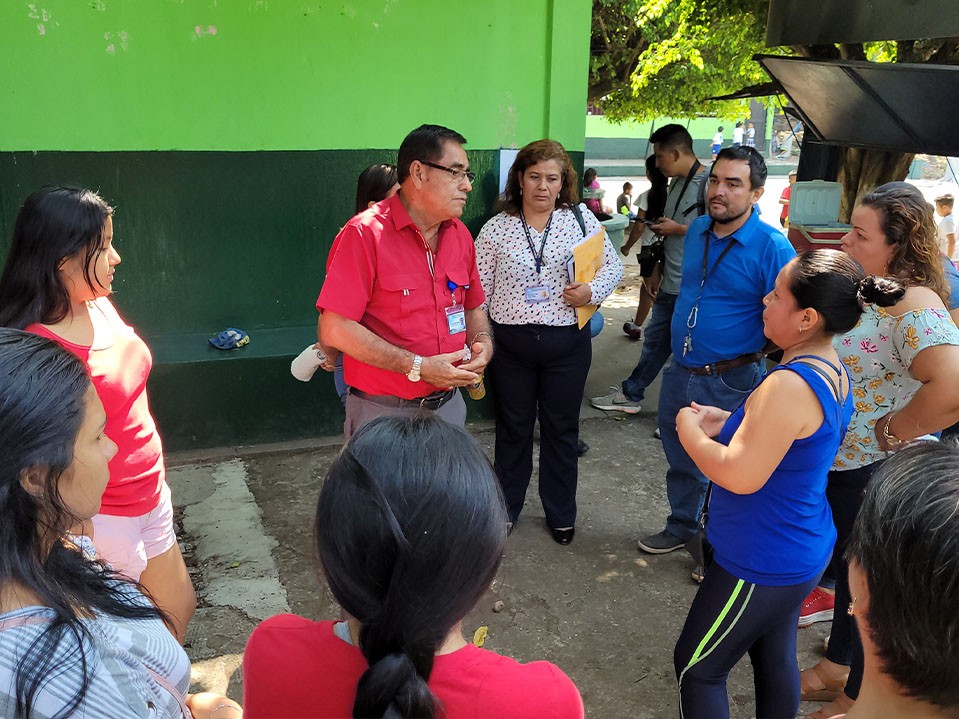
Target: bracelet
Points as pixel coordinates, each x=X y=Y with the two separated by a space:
x=480 y=334
x=892 y=441
x=224 y=705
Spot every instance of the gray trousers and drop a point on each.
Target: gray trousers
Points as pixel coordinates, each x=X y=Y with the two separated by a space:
x=360 y=411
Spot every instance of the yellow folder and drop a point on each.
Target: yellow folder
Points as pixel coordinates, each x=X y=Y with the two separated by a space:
x=587 y=259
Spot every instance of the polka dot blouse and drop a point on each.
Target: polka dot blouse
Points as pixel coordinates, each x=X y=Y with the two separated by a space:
x=508 y=269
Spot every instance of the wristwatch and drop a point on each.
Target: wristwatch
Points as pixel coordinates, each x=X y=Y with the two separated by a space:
x=414 y=374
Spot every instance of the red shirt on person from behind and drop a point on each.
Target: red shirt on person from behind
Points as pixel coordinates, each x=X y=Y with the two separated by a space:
x=294 y=668
x=379 y=276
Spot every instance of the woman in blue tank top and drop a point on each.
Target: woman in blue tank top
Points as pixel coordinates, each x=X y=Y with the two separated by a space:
x=769 y=523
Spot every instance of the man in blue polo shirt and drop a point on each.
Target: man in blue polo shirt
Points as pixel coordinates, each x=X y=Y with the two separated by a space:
x=730 y=262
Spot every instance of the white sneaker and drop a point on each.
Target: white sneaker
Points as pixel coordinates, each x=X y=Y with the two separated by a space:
x=616 y=401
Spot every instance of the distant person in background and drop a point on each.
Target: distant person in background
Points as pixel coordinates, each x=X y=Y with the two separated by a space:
x=738 y=134
x=717 y=142
x=947 y=226
x=649 y=207
x=784 y=200
x=904 y=574
x=625 y=201
x=751 y=135
x=685 y=201
x=375 y=183
x=594 y=203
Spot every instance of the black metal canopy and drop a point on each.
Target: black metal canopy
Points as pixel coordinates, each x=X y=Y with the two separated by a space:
x=884 y=106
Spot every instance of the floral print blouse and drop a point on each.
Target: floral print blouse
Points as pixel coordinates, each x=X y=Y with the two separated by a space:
x=878 y=352
x=507 y=268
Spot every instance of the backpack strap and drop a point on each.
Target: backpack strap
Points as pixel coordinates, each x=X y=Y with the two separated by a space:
x=578 y=213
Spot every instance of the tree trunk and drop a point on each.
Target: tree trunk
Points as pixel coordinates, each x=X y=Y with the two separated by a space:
x=861 y=171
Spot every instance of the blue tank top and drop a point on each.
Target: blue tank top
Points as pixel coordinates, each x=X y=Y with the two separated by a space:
x=783 y=534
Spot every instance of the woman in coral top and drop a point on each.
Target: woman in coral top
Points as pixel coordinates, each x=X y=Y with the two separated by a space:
x=410 y=529
x=56 y=283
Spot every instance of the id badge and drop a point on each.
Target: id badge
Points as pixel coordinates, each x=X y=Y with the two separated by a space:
x=537 y=294
x=456 y=319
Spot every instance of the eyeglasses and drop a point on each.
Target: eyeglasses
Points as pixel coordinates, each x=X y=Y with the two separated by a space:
x=457 y=175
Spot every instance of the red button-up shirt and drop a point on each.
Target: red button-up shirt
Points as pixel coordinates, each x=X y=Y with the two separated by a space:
x=379 y=276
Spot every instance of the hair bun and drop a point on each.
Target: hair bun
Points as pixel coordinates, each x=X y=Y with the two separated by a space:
x=882 y=291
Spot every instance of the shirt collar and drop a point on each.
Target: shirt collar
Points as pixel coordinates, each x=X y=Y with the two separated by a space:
x=394 y=209
x=744 y=235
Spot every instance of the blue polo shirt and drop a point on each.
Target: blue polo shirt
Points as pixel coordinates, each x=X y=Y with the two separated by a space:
x=730 y=321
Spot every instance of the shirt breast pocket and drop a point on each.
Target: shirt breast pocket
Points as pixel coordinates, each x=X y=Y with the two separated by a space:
x=460 y=280
x=407 y=295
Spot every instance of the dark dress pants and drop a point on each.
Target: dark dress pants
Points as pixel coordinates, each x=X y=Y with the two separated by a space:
x=539 y=371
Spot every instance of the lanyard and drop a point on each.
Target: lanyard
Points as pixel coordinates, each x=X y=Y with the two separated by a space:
x=538 y=258
x=707 y=271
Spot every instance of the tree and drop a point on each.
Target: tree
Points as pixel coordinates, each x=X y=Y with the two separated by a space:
x=655 y=58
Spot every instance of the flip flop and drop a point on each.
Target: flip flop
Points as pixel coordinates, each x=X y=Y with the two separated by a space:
x=828 y=689
x=837 y=707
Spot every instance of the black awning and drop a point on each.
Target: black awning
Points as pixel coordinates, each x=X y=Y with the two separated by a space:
x=883 y=106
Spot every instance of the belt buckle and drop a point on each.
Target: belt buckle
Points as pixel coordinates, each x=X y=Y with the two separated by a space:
x=709 y=369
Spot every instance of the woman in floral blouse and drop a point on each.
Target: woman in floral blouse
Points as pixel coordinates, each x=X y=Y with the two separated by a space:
x=903 y=362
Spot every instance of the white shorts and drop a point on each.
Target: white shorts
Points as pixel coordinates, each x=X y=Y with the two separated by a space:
x=127 y=543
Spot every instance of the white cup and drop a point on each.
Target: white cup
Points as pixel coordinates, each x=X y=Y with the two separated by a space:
x=305 y=364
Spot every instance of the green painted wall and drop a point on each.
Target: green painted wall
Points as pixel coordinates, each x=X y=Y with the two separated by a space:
x=229 y=134
x=288 y=74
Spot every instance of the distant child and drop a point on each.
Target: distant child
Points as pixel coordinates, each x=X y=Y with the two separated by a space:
x=717 y=142
x=947 y=226
x=738 y=133
x=625 y=201
x=784 y=200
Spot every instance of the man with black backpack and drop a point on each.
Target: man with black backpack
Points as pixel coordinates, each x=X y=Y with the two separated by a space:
x=685 y=201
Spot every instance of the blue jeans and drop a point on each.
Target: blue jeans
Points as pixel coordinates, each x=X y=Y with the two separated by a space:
x=657 y=338
x=685 y=484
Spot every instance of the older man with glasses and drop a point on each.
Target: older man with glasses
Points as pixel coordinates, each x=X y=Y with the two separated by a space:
x=402 y=297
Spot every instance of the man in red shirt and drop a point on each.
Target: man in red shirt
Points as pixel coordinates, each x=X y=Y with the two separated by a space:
x=402 y=297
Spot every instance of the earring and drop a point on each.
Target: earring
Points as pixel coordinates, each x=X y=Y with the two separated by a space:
x=801 y=330
x=850 y=610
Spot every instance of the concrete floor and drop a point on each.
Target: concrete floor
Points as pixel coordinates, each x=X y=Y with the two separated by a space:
x=606 y=614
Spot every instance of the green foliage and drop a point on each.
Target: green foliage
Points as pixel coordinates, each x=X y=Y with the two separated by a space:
x=689 y=50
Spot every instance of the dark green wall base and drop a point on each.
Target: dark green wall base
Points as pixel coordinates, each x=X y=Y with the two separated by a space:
x=225 y=239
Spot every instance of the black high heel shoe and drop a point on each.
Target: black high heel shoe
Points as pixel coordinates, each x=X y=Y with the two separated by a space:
x=563 y=536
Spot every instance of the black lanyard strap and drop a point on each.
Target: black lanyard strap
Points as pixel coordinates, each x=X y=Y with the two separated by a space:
x=538 y=258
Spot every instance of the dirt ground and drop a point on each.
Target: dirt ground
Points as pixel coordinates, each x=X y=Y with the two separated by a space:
x=606 y=614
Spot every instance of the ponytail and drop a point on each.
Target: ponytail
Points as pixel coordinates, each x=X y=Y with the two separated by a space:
x=410 y=528
x=882 y=291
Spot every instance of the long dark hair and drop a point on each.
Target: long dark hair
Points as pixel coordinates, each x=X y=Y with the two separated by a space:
x=539 y=151
x=410 y=528
x=373 y=184
x=906 y=220
x=835 y=285
x=54 y=224
x=656 y=199
x=43 y=392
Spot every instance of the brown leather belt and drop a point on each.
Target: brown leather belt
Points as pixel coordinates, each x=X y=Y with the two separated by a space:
x=715 y=369
x=431 y=401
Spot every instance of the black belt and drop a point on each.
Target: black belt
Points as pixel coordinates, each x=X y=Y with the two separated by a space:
x=714 y=369
x=431 y=401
